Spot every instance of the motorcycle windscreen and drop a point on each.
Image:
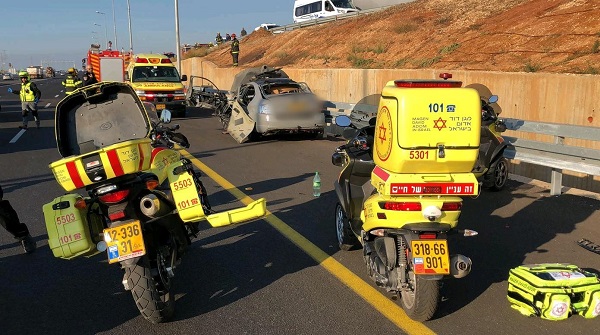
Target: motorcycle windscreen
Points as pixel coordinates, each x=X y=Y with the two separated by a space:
x=240 y=125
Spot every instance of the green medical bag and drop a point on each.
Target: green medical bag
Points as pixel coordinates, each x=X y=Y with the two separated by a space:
x=553 y=291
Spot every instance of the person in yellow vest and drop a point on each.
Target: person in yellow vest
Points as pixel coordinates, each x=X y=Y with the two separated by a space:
x=72 y=81
x=235 y=49
x=30 y=95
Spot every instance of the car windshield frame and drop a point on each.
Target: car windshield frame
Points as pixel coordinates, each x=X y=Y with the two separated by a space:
x=285 y=87
x=153 y=73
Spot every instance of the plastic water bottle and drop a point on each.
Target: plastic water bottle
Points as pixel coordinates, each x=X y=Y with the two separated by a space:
x=317 y=185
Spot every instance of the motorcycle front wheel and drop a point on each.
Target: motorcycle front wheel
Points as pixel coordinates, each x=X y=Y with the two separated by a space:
x=345 y=237
x=155 y=305
x=421 y=300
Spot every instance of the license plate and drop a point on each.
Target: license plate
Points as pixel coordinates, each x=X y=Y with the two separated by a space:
x=160 y=106
x=430 y=257
x=124 y=242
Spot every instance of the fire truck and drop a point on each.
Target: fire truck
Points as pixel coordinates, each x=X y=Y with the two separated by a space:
x=108 y=65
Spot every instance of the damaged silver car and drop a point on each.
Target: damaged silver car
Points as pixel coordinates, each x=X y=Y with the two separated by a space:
x=266 y=101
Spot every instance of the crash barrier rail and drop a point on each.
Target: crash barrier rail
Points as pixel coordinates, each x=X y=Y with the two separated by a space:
x=313 y=22
x=556 y=155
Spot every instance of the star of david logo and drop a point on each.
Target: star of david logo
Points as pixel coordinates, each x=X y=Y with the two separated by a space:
x=382 y=136
x=439 y=124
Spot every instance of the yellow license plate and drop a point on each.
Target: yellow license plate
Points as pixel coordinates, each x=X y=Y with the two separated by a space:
x=124 y=242
x=430 y=257
x=160 y=107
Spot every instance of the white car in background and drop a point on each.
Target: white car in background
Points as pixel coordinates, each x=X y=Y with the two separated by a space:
x=6 y=76
x=268 y=27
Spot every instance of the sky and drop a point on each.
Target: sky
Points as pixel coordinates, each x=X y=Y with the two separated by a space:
x=59 y=33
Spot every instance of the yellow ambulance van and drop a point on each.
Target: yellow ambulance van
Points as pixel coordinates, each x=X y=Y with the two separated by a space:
x=155 y=79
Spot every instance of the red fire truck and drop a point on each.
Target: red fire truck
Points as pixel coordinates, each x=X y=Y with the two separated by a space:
x=108 y=65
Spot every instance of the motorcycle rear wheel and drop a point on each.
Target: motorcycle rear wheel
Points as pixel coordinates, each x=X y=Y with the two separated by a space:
x=154 y=305
x=496 y=179
x=421 y=302
x=345 y=237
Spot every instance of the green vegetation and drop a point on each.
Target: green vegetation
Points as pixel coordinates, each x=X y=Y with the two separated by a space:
x=426 y=62
x=379 y=49
x=358 y=62
x=401 y=62
x=443 y=21
x=475 y=26
x=405 y=28
x=596 y=47
x=449 y=49
x=530 y=67
x=281 y=54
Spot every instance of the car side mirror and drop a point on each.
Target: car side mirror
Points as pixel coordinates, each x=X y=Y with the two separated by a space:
x=184 y=77
x=126 y=76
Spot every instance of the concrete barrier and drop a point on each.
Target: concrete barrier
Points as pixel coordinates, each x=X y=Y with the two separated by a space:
x=543 y=97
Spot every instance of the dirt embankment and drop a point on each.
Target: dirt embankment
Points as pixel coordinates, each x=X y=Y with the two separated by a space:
x=561 y=36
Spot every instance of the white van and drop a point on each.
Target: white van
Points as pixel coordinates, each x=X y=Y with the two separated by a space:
x=305 y=10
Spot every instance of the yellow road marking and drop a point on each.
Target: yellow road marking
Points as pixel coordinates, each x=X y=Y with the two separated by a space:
x=381 y=303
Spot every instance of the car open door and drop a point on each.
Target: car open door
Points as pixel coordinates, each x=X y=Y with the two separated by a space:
x=240 y=125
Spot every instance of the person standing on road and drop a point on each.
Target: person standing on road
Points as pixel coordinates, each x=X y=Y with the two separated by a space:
x=71 y=82
x=89 y=77
x=235 y=49
x=10 y=221
x=30 y=95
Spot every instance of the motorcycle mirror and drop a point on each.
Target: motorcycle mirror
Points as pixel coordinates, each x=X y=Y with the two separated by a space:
x=343 y=121
x=493 y=99
x=165 y=116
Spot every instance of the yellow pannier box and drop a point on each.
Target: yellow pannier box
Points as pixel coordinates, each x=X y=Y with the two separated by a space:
x=109 y=162
x=101 y=132
x=427 y=126
x=70 y=234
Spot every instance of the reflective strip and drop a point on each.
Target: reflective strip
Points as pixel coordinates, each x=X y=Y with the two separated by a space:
x=115 y=163
x=141 y=157
x=155 y=152
x=379 y=172
x=74 y=174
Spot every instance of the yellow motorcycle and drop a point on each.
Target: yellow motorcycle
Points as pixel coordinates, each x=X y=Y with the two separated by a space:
x=491 y=167
x=401 y=187
x=144 y=200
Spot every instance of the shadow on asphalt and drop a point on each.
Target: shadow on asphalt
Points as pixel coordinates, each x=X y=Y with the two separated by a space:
x=504 y=242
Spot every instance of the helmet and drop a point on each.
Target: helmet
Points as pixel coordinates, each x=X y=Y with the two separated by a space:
x=23 y=74
x=232 y=35
x=71 y=70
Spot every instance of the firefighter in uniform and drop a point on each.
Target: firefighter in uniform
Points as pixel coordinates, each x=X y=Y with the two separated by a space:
x=71 y=82
x=29 y=94
x=235 y=49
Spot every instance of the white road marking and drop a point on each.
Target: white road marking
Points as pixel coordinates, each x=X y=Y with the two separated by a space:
x=56 y=96
x=47 y=105
x=17 y=136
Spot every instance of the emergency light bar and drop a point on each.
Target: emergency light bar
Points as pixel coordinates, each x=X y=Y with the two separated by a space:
x=427 y=84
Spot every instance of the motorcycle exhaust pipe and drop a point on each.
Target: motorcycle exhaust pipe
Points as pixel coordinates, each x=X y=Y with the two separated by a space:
x=151 y=206
x=460 y=266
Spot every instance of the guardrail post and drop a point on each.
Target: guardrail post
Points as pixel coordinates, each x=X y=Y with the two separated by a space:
x=556 y=174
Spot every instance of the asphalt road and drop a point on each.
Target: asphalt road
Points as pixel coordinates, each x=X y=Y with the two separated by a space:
x=283 y=274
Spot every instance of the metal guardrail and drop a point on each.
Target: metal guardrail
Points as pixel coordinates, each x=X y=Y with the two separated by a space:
x=322 y=20
x=556 y=155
